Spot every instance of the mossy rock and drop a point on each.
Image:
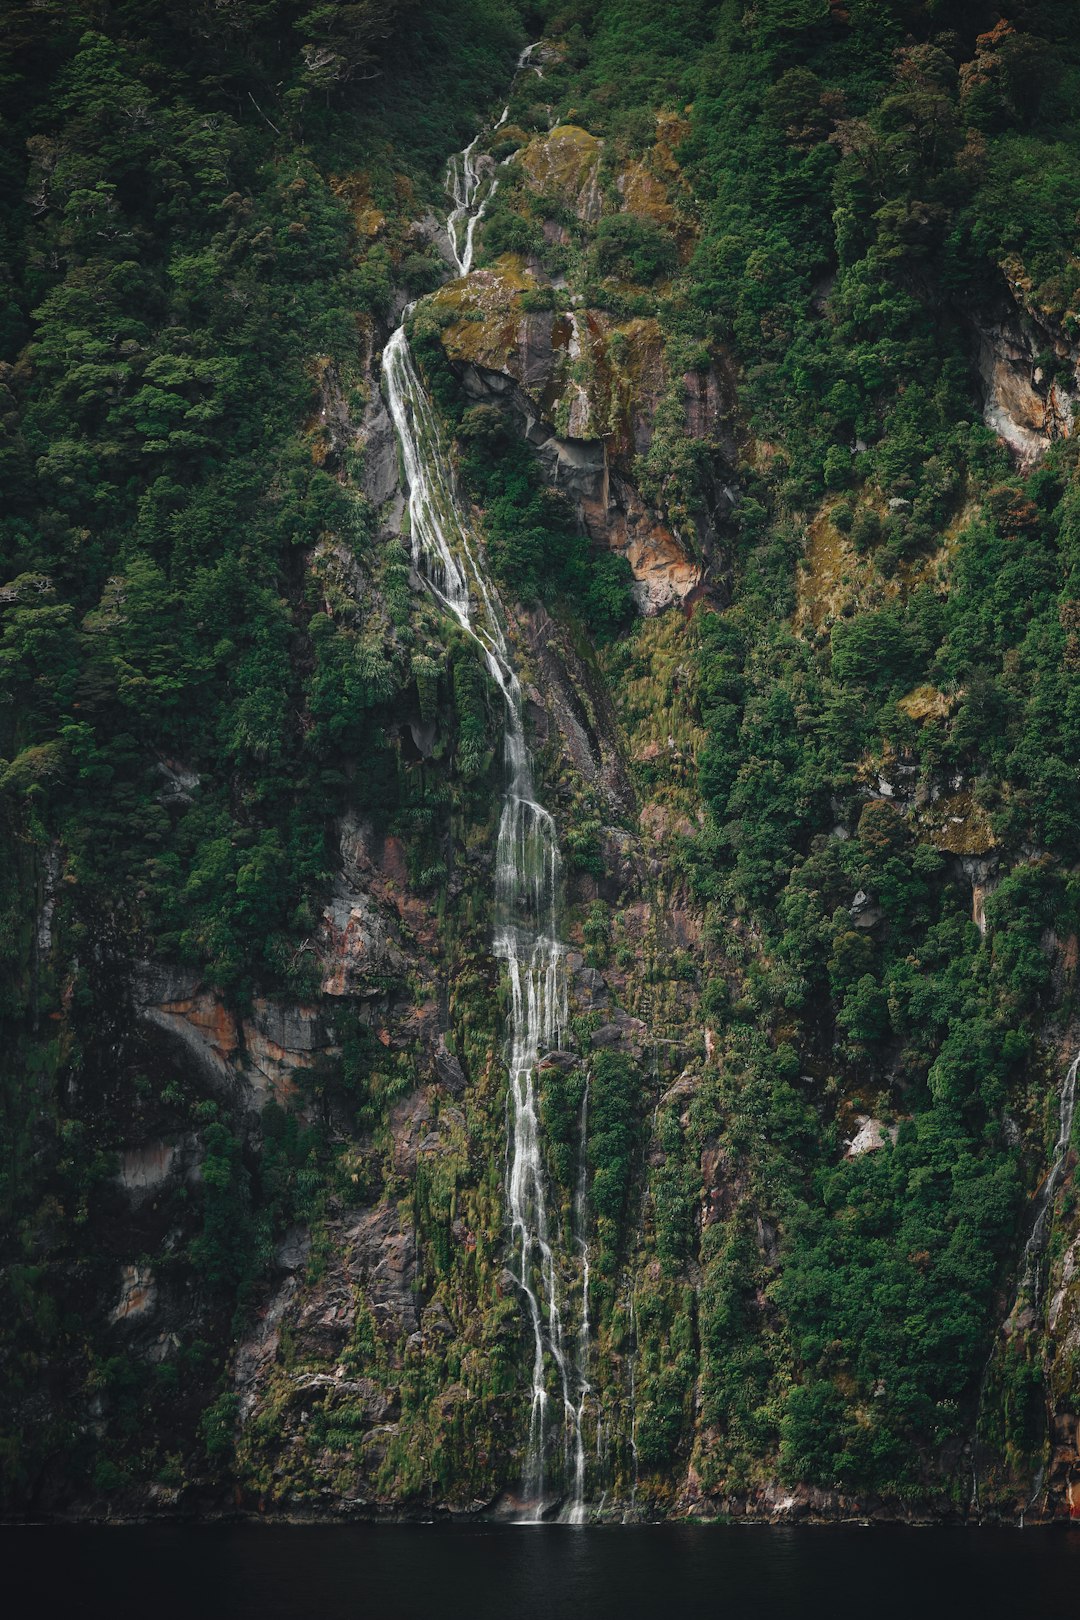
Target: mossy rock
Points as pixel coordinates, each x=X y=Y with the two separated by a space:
x=564 y=164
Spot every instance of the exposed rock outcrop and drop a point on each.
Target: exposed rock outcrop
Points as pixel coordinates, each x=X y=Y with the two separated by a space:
x=246 y=1060
x=586 y=388
x=1030 y=372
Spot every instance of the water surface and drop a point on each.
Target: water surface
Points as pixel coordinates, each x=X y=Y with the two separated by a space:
x=415 y=1572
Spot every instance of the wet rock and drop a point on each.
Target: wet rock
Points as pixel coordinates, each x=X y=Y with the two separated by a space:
x=423 y=737
x=293 y=1250
x=1025 y=410
x=448 y=1069
x=685 y=1087
x=590 y=987
x=144 y=1169
x=279 y=1038
x=865 y=911
x=194 y=1021
x=623 y=1031
x=409 y=1119
x=357 y=944
x=435 y=1321
x=767 y=1240
x=382 y=1261
x=256 y=1354
x=982 y=874
x=179 y=784
x=555 y=1059
x=1021 y=1321
x=324 y=1323
x=138 y=1295
x=248 y=1061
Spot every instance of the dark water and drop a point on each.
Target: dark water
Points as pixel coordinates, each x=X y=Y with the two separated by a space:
x=276 y=1572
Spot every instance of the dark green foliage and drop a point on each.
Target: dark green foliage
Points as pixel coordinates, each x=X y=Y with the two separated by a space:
x=859 y=1345
x=220 y=1254
x=206 y=658
x=534 y=545
x=614 y=1133
x=202 y=651
x=218 y=1427
x=561 y=1094
x=633 y=247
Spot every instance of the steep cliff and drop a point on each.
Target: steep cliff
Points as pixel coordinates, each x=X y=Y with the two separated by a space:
x=746 y=345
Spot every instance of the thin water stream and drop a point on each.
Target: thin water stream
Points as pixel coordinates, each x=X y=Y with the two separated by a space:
x=526 y=883
x=1030 y=1275
x=1030 y=1270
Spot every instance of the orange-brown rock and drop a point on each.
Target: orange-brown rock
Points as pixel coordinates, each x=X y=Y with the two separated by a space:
x=589 y=387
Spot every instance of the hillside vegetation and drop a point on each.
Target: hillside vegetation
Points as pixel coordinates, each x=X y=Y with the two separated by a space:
x=802 y=279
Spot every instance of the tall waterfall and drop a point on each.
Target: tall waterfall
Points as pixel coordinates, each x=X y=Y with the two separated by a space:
x=1030 y=1276
x=1036 y=1243
x=581 y=1212
x=526 y=894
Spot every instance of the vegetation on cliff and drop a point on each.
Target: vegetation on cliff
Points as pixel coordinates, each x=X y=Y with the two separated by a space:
x=821 y=834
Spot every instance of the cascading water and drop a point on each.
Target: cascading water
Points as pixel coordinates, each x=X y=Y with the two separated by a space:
x=471 y=184
x=1044 y=1199
x=472 y=189
x=581 y=1195
x=1030 y=1261
x=526 y=886
x=633 y=1399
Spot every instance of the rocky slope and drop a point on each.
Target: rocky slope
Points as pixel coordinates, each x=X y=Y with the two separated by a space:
x=814 y=1087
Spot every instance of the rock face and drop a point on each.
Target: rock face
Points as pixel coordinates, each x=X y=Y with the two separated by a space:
x=138 y=1294
x=1063 y=1321
x=563 y=166
x=247 y=1060
x=1027 y=404
x=296 y=1361
x=587 y=388
x=869 y=1136
x=356 y=944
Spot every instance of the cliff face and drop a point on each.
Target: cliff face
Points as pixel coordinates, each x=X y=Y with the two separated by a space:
x=1030 y=371
x=591 y=387
x=736 y=319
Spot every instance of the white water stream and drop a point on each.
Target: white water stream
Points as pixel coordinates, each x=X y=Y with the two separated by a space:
x=1030 y=1270
x=472 y=187
x=1030 y=1276
x=471 y=183
x=526 y=886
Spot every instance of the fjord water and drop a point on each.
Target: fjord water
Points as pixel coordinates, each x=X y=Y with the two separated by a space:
x=545 y=1572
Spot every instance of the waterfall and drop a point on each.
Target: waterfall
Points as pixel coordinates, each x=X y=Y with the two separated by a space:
x=1030 y=1269
x=526 y=898
x=633 y=1401
x=526 y=884
x=471 y=189
x=581 y=1215
x=1044 y=1199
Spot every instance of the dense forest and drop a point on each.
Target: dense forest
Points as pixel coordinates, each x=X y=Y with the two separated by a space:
x=759 y=395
